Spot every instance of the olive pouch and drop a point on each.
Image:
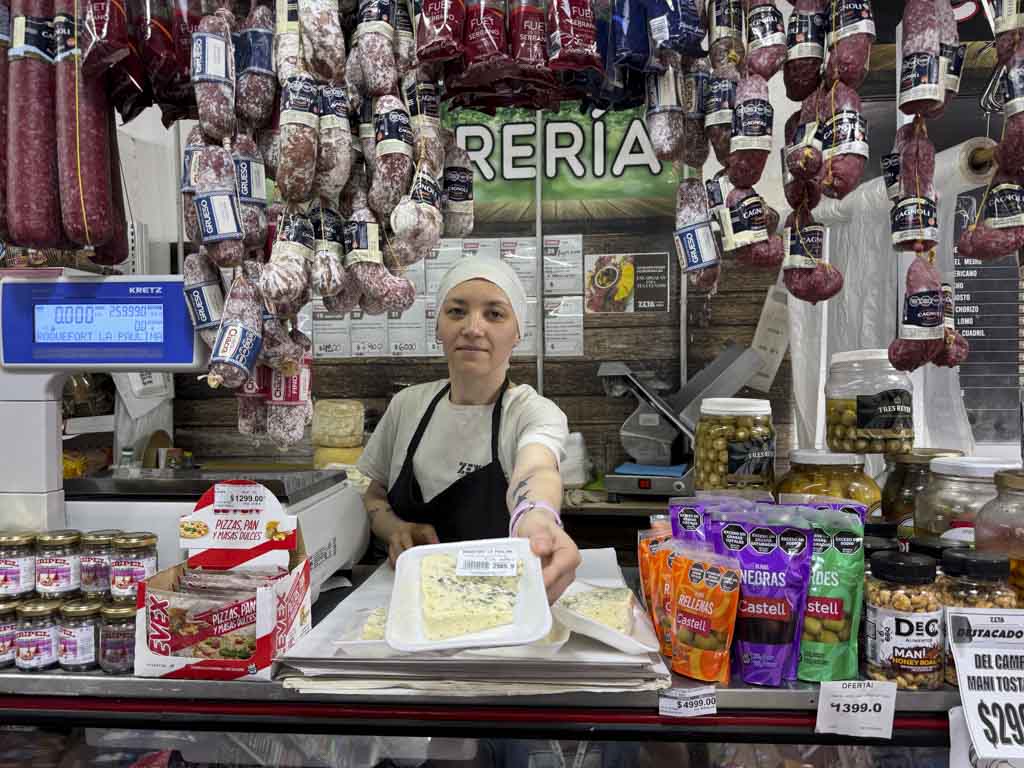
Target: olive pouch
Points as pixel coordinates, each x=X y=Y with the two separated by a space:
x=828 y=645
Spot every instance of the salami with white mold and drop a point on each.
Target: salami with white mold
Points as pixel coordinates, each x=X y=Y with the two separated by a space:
x=250 y=180
x=213 y=74
x=299 y=132
x=694 y=237
x=393 y=172
x=193 y=143
x=256 y=92
x=239 y=339
x=457 y=202
x=285 y=277
x=216 y=205
x=204 y=296
x=334 y=158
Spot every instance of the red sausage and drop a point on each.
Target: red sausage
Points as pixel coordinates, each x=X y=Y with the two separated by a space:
x=83 y=141
x=33 y=206
x=115 y=250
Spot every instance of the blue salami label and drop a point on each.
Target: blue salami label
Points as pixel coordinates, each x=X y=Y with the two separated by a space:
x=1005 y=206
x=921 y=78
x=805 y=37
x=752 y=125
x=361 y=241
x=300 y=102
x=924 y=309
x=5 y=24
x=850 y=17
x=953 y=58
x=458 y=187
x=333 y=107
x=187 y=184
x=693 y=89
x=846 y=133
x=237 y=345
x=393 y=132
x=1013 y=90
x=32 y=37
x=696 y=246
x=217 y=215
x=891 y=174
x=65 y=43
x=804 y=247
x=376 y=11
x=425 y=189
x=421 y=100
x=210 y=59
x=205 y=303
x=718 y=189
x=914 y=218
x=251 y=180
x=765 y=27
x=744 y=223
x=254 y=52
x=719 y=101
x=726 y=20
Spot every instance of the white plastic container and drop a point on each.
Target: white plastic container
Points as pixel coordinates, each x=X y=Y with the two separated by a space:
x=641 y=640
x=531 y=620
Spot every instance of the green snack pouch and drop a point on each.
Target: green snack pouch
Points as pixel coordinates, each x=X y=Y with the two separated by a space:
x=828 y=646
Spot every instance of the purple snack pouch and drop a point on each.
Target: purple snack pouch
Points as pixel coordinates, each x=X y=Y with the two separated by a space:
x=774 y=547
x=690 y=516
x=794 y=500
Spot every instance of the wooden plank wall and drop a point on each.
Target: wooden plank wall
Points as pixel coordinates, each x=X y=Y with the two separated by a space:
x=205 y=418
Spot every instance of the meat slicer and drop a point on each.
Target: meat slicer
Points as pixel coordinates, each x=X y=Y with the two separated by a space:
x=659 y=434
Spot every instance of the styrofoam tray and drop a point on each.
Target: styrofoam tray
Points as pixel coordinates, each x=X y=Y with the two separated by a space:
x=351 y=645
x=642 y=640
x=544 y=648
x=531 y=617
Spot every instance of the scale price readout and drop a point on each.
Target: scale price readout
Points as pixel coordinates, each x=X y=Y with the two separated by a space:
x=117 y=323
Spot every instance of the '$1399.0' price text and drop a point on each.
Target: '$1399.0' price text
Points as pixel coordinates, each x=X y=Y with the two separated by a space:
x=856 y=707
x=1003 y=723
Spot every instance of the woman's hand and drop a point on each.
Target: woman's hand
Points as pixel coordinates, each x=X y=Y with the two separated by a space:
x=558 y=553
x=408 y=535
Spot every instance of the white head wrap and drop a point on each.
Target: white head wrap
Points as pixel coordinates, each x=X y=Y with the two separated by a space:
x=493 y=271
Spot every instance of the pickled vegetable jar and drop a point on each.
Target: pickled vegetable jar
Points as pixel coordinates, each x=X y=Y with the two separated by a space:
x=908 y=478
x=999 y=526
x=958 y=487
x=868 y=404
x=735 y=444
x=835 y=475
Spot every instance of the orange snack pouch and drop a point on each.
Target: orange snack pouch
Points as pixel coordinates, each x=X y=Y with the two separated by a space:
x=661 y=610
x=705 y=596
x=647 y=544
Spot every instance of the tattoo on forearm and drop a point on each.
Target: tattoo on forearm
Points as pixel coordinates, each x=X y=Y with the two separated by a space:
x=522 y=491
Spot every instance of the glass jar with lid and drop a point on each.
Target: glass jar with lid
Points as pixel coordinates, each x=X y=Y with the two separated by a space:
x=8 y=630
x=97 y=548
x=79 y=635
x=17 y=564
x=117 y=639
x=814 y=472
x=958 y=487
x=909 y=477
x=868 y=404
x=134 y=561
x=58 y=564
x=735 y=444
x=901 y=593
x=35 y=640
x=975 y=580
x=999 y=526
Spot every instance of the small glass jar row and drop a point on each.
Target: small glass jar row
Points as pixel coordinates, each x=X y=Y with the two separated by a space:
x=76 y=635
x=67 y=563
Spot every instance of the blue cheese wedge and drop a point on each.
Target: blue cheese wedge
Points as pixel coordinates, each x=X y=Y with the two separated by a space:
x=611 y=607
x=375 y=624
x=461 y=605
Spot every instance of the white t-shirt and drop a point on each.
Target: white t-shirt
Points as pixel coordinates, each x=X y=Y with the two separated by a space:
x=457 y=440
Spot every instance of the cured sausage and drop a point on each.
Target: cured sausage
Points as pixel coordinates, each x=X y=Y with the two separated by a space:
x=288 y=41
x=572 y=36
x=725 y=32
x=766 y=39
x=300 y=125
x=354 y=195
x=800 y=192
x=695 y=241
x=204 y=295
x=374 y=36
x=250 y=182
x=216 y=204
x=1007 y=25
x=405 y=38
x=268 y=139
x=851 y=32
x=213 y=75
x=323 y=42
x=922 y=89
x=915 y=214
x=252 y=403
x=115 y=250
x=239 y=340
x=921 y=336
x=693 y=85
x=751 y=140
x=355 y=83
x=745 y=230
x=33 y=206
x=417 y=220
x=278 y=351
x=83 y=143
x=257 y=81
x=952 y=55
x=334 y=159
x=420 y=95
x=806 y=274
x=329 y=275
x=1010 y=150
x=1000 y=231
x=843 y=133
x=956 y=349
x=394 y=145
x=439 y=26
x=457 y=203
x=664 y=116
x=805 y=41
x=288 y=405
x=720 y=108
x=380 y=291
x=285 y=277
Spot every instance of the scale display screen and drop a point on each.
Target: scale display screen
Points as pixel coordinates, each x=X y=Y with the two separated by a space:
x=128 y=323
x=99 y=323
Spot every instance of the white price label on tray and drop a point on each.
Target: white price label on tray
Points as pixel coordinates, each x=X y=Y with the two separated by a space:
x=487 y=561
x=988 y=648
x=688 y=702
x=238 y=497
x=863 y=708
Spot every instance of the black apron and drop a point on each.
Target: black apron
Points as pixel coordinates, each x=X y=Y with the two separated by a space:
x=473 y=507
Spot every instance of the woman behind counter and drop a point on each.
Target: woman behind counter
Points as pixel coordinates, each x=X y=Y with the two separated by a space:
x=473 y=456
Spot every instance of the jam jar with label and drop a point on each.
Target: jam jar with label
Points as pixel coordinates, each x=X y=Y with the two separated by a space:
x=117 y=638
x=17 y=564
x=36 y=639
x=8 y=630
x=58 y=564
x=97 y=548
x=79 y=636
x=735 y=445
x=868 y=404
x=134 y=560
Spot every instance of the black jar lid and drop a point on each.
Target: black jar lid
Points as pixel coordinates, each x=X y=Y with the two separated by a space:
x=903 y=567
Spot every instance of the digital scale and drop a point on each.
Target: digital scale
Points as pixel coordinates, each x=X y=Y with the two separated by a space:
x=659 y=434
